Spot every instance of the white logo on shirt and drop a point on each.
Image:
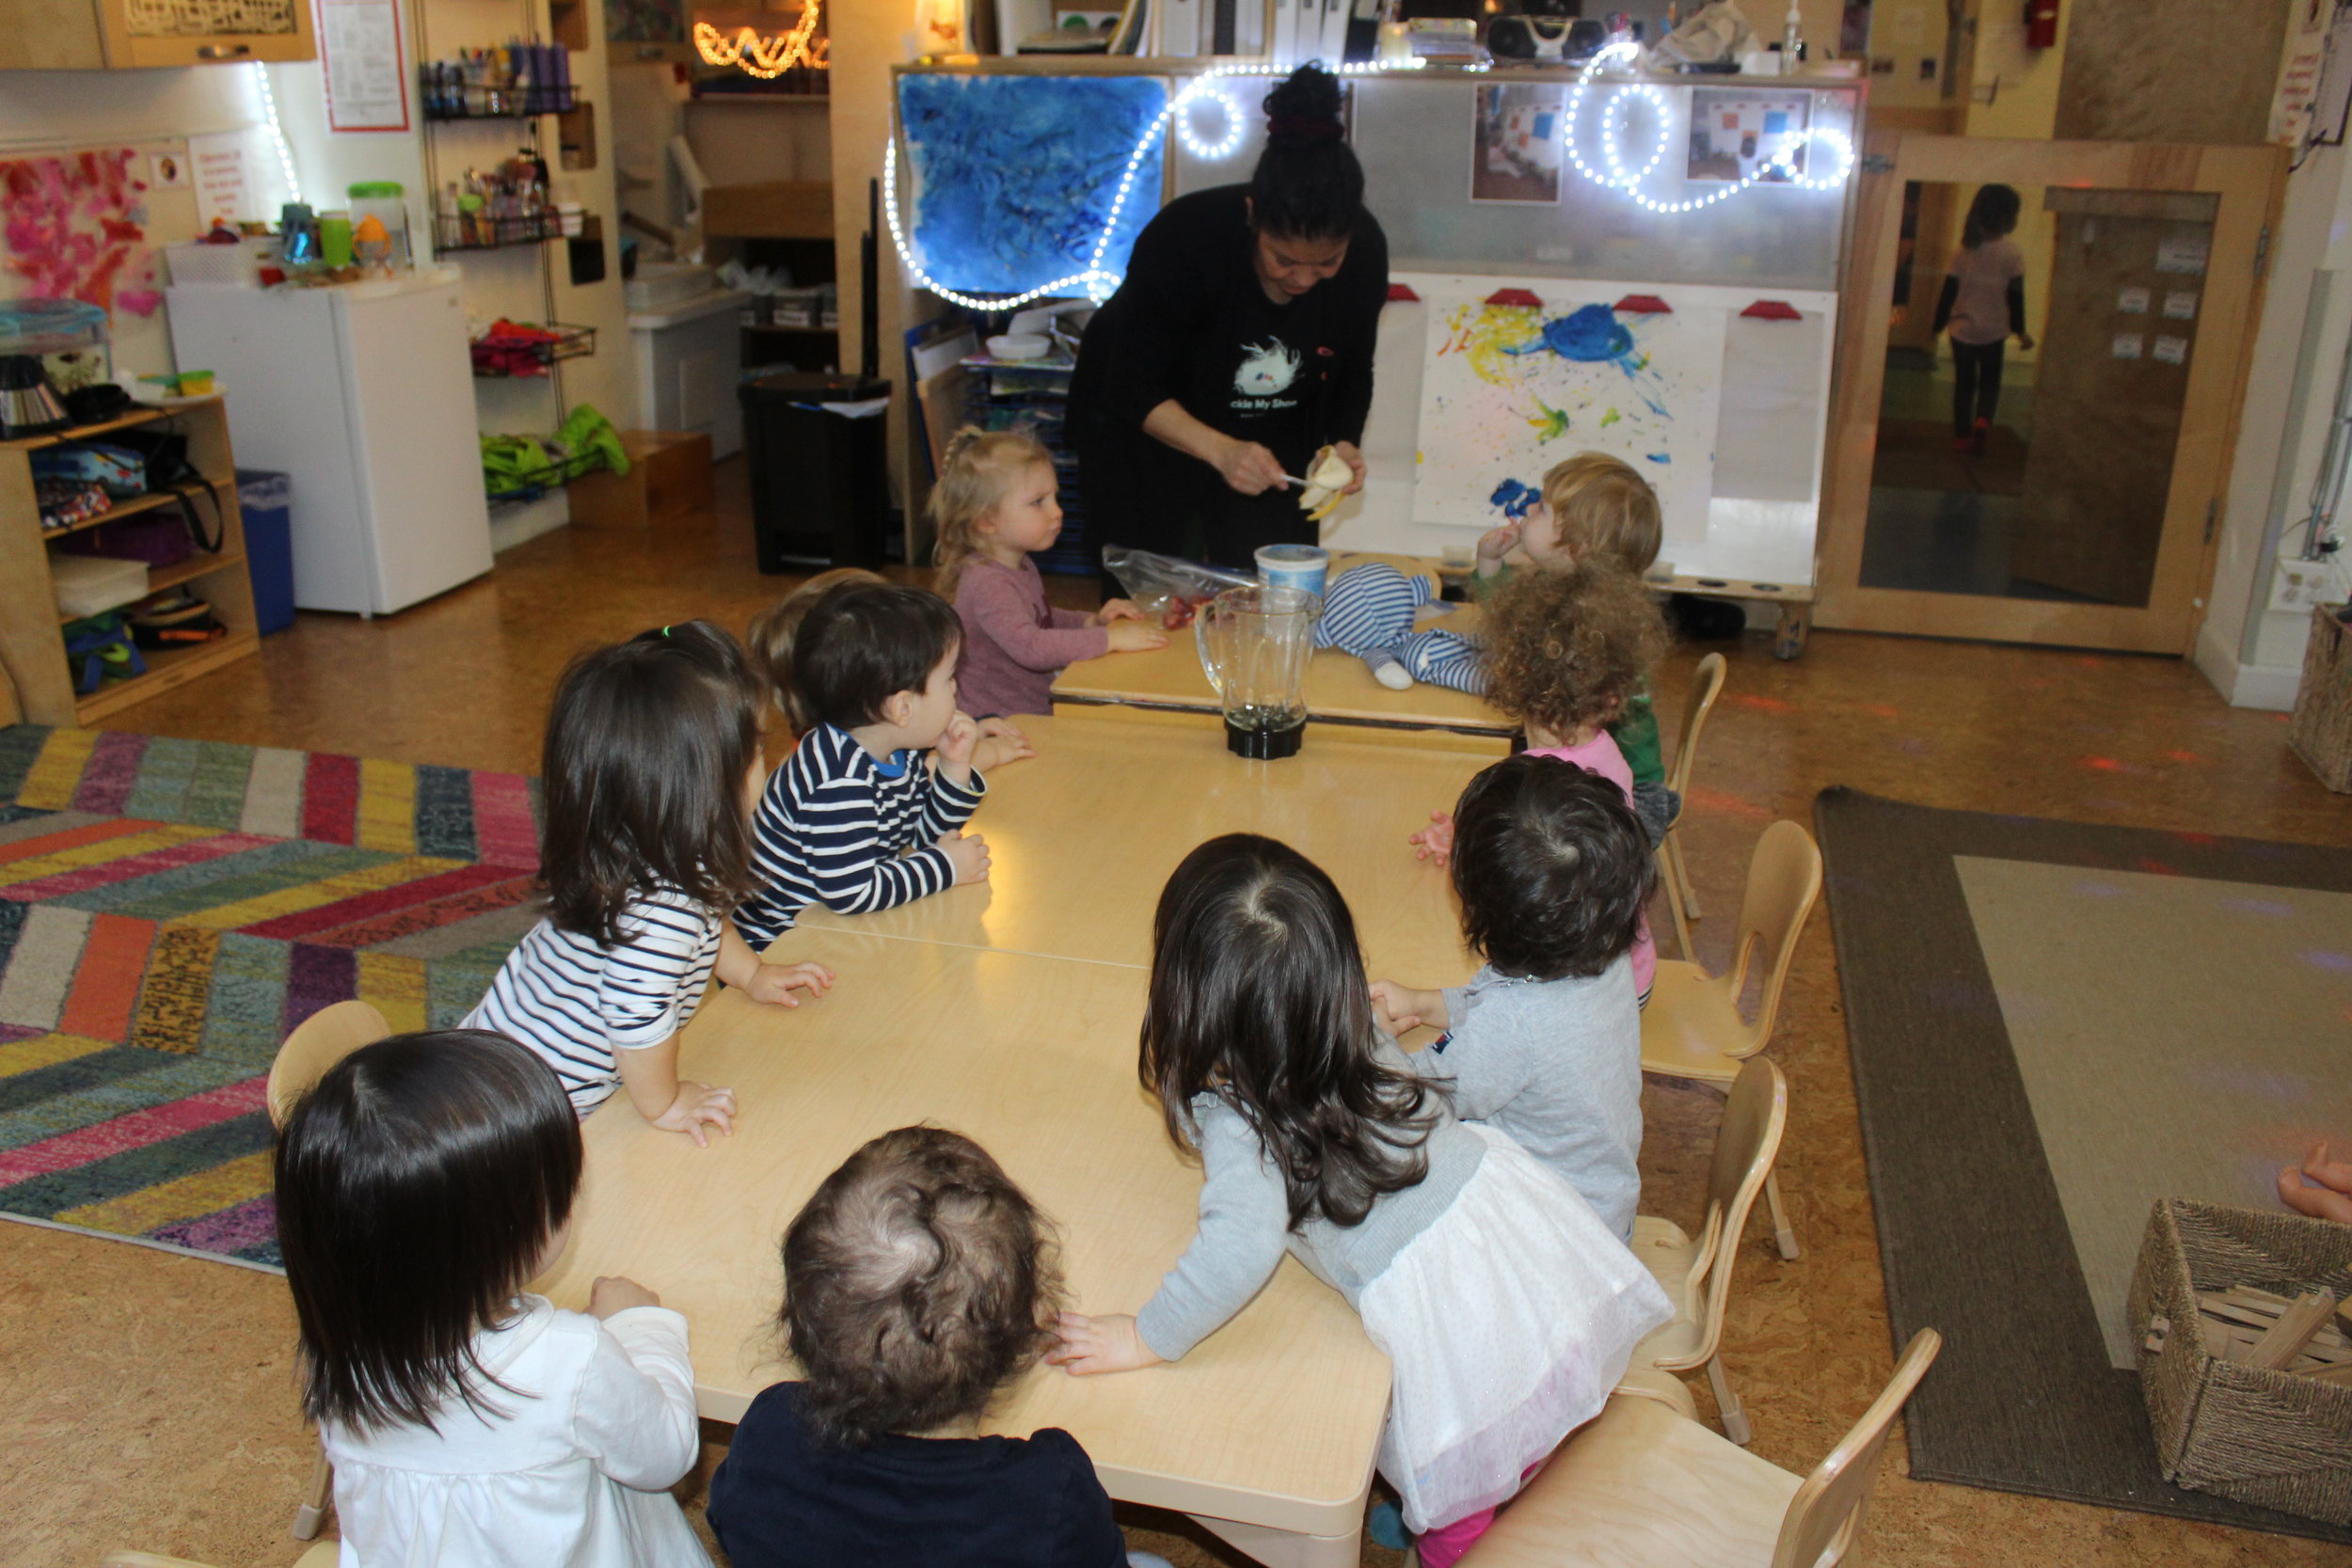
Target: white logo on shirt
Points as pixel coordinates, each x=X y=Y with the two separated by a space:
x=1270 y=368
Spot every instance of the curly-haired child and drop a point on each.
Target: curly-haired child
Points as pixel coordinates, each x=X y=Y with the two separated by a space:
x=1565 y=650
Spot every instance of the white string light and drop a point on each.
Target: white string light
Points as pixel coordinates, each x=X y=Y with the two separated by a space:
x=1628 y=182
x=276 y=132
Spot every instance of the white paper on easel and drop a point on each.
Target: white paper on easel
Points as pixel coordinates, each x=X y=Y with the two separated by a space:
x=1509 y=388
x=359 y=56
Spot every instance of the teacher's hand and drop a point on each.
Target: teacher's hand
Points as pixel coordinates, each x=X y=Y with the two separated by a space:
x=1249 y=467
x=1347 y=453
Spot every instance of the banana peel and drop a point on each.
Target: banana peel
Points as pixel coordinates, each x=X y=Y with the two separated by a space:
x=1327 y=478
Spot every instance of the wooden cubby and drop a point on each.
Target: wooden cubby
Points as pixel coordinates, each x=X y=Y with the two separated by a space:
x=32 y=646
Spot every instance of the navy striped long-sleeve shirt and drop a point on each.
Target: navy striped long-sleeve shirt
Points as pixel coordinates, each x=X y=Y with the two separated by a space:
x=831 y=827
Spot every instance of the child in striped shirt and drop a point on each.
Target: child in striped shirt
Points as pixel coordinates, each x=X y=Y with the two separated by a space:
x=651 y=765
x=868 y=811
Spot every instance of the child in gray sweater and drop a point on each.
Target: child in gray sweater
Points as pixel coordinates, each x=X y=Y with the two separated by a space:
x=1545 y=1042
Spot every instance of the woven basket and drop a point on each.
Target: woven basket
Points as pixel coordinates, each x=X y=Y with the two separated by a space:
x=2321 y=730
x=2274 y=1439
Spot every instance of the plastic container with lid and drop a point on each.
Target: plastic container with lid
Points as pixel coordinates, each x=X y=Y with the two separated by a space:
x=50 y=326
x=385 y=201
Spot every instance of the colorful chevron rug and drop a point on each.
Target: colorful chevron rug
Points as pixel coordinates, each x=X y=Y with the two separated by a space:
x=171 y=908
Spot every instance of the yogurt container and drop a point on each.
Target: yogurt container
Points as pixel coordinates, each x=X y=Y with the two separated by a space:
x=1295 y=566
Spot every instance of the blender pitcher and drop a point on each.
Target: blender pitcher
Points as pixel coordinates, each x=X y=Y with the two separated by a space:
x=1254 y=644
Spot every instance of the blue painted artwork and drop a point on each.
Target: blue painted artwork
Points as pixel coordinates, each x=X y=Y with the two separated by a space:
x=1015 y=176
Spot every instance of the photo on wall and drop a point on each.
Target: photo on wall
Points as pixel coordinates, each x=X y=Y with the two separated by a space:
x=1741 y=133
x=1518 y=143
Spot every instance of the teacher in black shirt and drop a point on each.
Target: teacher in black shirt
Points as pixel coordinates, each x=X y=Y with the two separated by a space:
x=1238 y=345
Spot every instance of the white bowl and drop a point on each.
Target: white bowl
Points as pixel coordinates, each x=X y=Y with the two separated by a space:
x=1021 y=345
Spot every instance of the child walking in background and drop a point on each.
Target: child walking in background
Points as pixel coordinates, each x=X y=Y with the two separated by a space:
x=1545 y=1042
x=1564 y=650
x=1983 y=306
x=918 y=1283
x=1506 y=1308
x=885 y=767
x=651 y=765
x=995 y=503
x=420 y=1184
x=769 y=642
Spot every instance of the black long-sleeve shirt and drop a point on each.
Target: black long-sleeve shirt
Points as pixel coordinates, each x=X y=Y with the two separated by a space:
x=2015 y=294
x=1191 y=321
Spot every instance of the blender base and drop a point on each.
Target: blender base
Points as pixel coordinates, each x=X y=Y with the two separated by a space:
x=1265 y=745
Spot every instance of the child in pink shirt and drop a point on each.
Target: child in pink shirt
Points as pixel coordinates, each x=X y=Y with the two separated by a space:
x=1566 y=650
x=996 y=501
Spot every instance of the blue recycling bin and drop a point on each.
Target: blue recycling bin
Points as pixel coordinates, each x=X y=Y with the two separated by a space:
x=267 y=499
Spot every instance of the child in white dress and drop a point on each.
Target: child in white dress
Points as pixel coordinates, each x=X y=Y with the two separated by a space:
x=421 y=1183
x=1506 y=1308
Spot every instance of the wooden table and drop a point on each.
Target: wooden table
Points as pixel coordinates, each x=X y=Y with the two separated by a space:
x=1008 y=1010
x=1340 y=690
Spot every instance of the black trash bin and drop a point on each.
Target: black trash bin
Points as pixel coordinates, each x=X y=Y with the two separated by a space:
x=820 y=490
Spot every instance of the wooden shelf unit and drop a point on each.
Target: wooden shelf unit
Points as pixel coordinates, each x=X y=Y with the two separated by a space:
x=31 y=647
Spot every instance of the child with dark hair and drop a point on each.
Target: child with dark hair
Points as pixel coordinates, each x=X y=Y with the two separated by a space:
x=420 y=1184
x=1506 y=1307
x=918 y=1282
x=886 y=766
x=1565 y=650
x=1545 y=1042
x=1983 y=306
x=651 y=765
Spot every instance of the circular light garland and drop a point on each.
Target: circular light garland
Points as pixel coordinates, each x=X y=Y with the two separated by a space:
x=1098 y=284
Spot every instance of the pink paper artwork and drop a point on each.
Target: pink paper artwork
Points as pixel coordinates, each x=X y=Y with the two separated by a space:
x=74 y=228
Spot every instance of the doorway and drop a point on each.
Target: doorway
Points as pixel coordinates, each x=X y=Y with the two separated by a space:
x=2033 y=427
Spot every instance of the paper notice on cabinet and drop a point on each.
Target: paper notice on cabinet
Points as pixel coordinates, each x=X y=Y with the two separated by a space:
x=360 y=57
x=2132 y=302
x=2128 y=345
x=223 y=193
x=2172 y=350
x=2180 y=306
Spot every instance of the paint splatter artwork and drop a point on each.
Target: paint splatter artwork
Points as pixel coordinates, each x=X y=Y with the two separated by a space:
x=75 y=229
x=1015 y=176
x=1518 y=378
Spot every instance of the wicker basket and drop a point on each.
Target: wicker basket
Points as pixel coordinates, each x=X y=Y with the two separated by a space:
x=2321 y=732
x=2274 y=1439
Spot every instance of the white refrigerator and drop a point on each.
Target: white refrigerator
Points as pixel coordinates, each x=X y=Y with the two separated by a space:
x=364 y=395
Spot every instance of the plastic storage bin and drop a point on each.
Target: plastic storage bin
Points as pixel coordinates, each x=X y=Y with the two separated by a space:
x=266 y=498
x=819 y=494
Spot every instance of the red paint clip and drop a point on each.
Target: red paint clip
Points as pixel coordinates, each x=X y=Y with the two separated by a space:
x=1521 y=297
x=1643 y=305
x=1774 y=311
x=1403 y=291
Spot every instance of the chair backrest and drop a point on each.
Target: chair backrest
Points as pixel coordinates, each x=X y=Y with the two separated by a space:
x=1706 y=684
x=318 y=1042
x=1784 y=880
x=1826 y=1514
x=1746 y=1144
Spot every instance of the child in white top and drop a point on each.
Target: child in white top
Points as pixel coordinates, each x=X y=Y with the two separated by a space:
x=997 y=501
x=420 y=1184
x=1506 y=1307
x=651 y=768
x=1982 y=307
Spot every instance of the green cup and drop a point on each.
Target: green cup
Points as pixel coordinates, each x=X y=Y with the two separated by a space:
x=335 y=238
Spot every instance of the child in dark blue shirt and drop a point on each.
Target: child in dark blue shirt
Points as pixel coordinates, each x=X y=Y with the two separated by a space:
x=917 y=1284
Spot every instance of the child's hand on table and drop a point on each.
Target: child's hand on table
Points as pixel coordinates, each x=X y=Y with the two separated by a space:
x=1436 y=841
x=1137 y=637
x=1106 y=1344
x=611 y=1293
x=1001 y=741
x=775 y=983
x=1398 y=1009
x=2319 y=1187
x=967 y=853
x=698 y=1106
x=1115 y=609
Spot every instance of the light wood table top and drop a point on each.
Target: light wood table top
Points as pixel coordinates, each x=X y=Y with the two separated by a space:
x=1083 y=836
x=1338 y=686
x=1273 y=1421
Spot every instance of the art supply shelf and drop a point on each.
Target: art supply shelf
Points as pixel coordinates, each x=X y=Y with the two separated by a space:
x=128 y=506
x=503 y=358
x=505 y=104
x=474 y=232
x=32 y=652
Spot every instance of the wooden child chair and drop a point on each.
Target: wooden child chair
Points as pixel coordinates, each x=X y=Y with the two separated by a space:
x=1641 y=1488
x=318 y=1042
x=1706 y=684
x=1696 y=1273
x=1692 y=1027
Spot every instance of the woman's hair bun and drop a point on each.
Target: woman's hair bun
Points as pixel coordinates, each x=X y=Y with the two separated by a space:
x=1304 y=105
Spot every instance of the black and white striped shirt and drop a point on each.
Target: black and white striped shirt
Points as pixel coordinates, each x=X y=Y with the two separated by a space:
x=830 y=829
x=576 y=1003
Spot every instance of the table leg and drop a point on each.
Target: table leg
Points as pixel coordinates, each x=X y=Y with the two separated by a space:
x=1279 y=1548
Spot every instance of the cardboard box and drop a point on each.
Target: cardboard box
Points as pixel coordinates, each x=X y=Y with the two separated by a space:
x=668 y=477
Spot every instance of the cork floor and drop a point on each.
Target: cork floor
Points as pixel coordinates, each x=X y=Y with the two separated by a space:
x=147 y=1400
